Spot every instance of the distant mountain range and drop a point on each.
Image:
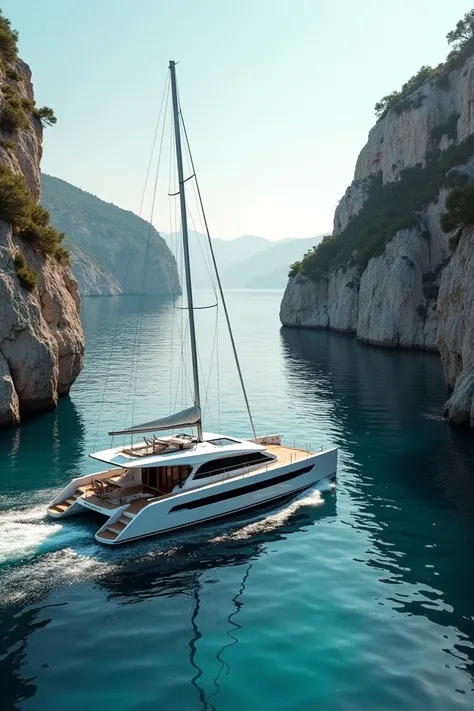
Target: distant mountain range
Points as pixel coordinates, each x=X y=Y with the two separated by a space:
x=109 y=254
x=247 y=262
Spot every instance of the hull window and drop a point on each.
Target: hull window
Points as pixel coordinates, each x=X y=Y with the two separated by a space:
x=206 y=500
x=228 y=464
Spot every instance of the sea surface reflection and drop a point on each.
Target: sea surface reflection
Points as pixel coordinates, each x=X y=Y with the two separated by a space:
x=360 y=598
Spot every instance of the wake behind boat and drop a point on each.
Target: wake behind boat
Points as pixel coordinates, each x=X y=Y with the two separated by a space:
x=164 y=483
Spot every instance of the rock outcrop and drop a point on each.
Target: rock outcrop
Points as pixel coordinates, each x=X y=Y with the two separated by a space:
x=112 y=250
x=41 y=339
x=392 y=303
x=456 y=329
x=385 y=288
x=25 y=156
x=93 y=278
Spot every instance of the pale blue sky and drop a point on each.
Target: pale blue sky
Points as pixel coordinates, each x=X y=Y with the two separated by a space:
x=278 y=95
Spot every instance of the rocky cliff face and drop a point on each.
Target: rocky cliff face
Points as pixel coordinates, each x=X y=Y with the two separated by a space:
x=112 y=250
x=93 y=278
x=41 y=339
x=392 y=299
x=456 y=329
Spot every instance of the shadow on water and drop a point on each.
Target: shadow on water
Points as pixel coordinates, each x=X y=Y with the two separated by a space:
x=395 y=454
x=163 y=567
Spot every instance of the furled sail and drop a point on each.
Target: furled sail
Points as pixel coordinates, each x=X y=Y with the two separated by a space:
x=186 y=418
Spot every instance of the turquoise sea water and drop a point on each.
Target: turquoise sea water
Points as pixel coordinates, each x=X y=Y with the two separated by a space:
x=357 y=600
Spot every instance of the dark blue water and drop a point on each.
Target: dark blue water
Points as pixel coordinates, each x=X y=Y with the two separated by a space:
x=361 y=599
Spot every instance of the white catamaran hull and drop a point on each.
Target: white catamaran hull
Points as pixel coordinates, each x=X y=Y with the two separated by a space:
x=224 y=499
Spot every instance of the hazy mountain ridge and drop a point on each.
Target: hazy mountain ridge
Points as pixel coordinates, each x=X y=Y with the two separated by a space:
x=110 y=253
x=244 y=262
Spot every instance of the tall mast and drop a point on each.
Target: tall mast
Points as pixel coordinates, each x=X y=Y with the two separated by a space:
x=184 y=227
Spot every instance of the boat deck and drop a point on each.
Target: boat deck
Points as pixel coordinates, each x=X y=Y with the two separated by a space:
x=287 y=455
x=120 y=495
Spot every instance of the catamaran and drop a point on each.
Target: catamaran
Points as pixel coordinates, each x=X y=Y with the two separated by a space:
x=171 y=481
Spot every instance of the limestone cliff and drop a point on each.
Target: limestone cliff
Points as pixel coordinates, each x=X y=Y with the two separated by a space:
x=380 y=272
x=93 y=278
x=456 y=329
x=41 y=339
x=112 y=250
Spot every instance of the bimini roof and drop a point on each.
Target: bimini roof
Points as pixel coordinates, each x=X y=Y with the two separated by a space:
x=186 y=418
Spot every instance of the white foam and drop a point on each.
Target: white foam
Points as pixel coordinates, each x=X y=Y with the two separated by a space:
x=273 y=520
x=38 y=553
x=22 y=531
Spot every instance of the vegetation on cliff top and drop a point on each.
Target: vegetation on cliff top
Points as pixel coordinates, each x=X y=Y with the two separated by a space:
x=396 y=206
x=459 y=213
x=28 y=219
x=8 y=39
x=15 y=109
x=28 y=278
x=18 y=207
x=462 y=41
x=387 y=209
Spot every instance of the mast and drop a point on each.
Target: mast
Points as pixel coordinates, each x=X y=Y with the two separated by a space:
x=184 y=227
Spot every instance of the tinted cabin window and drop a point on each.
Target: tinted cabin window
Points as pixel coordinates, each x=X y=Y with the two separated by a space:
x=234 y=493
x=164 y=479
x=227 y=464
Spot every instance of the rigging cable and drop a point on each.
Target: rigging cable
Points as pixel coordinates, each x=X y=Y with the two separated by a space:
x=174 y=251
x=236 y=357
x=127 y=271
x=138 y=331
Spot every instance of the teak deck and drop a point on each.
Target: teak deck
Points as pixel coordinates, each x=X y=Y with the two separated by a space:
x=287 y=455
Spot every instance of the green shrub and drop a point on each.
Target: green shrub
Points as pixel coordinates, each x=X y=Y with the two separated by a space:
x=456 y=179
x=462 y=39
x=444 y=81
x=463 y=31
x=45 y=238
x=7 y=144
x=28 y=104
x=453 y=240
x=15 y=199
x=13 y=117
x=63 y=256
x=46 y=115
x=295 y=269
x=387 y=209
x=28 y=278
x=8 y=40
x=12 y=74
x=401 y=100
x=448 y=128
x=29 y=220
x=459 y=206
